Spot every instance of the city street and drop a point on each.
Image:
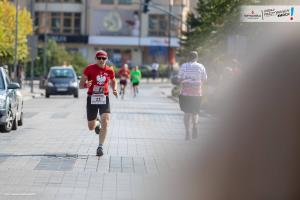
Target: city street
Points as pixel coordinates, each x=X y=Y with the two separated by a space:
x=53 y=155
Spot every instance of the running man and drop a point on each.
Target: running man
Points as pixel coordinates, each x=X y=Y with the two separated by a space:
x=135 y=77
x=191 y=76
x=96 y=78
x=124 y=74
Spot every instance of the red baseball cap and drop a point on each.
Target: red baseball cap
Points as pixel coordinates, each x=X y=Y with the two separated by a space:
x=101 y=53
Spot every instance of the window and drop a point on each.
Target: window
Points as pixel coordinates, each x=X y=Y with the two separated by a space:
x=177 y=2
x=2 y=86
x=158 y=24
x=36 y=19
x=107 y=1
x=126 y=2
x=62 y=73
x=59 y=23
x=55 y=22
x=77 y=23
x=59 y=1
x=67 y=19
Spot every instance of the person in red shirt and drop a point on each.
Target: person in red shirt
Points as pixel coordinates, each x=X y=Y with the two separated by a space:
x=96 y=78
x=124 y=74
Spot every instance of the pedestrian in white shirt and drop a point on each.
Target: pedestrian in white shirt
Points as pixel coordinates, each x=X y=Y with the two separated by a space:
x=154 y=70
x=191 y=77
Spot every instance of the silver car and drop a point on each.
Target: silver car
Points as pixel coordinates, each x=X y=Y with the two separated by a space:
x=11 y=103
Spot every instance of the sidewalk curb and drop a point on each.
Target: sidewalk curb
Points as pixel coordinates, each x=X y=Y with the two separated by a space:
x=32 y=96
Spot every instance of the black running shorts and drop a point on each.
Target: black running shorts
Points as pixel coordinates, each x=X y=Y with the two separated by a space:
x=92 y=110
x=123 y=82
x=190 y=104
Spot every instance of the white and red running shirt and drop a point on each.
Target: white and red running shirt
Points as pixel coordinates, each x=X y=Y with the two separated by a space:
x=191 y=76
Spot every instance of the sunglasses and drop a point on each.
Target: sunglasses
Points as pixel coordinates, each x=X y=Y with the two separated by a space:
x=101 y=58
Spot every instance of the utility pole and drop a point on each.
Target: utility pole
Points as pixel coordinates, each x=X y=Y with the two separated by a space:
x=45 y=39
x=169 y=37
x=32 y=46
x=16 y=42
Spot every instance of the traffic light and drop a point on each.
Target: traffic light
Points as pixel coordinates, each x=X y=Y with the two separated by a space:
x=146 y=6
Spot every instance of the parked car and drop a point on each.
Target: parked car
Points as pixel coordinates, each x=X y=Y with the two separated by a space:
x=61 y=81
x=11 y=103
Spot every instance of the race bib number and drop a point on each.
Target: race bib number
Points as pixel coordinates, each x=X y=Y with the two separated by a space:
x=98 y=89
x=98 y=99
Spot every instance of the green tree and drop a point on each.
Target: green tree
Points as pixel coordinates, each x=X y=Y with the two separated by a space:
x=8 y=30
x=57 y=55
x=209 y=25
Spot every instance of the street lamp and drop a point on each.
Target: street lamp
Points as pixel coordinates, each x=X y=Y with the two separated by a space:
x=16 y=41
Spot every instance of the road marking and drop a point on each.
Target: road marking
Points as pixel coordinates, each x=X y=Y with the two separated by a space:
x=19 y=194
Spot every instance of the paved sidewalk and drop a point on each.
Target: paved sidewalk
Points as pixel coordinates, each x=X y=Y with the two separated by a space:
x=26 y=90
x=43 y=161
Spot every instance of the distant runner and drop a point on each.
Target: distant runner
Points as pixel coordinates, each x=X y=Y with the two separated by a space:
x=124 y=74
x=135 y=77
x=191 y=76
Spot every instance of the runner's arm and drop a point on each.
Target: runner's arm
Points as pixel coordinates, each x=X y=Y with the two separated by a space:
x=82 y=81
x=113 y=84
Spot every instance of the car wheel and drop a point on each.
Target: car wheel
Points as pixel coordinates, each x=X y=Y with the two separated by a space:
x=47 y=95
x=76 y=95
x=15 y=124
x=9 y=122
x=20 y=122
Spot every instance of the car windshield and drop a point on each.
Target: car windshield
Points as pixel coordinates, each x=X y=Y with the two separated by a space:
x=2 y=87
x=61 y=73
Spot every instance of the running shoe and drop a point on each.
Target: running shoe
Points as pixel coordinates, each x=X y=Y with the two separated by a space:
x=97 y=129
x=99 y=151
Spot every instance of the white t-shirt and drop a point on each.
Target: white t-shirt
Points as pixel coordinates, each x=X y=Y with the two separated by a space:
x=155 y=66
x=192 y=74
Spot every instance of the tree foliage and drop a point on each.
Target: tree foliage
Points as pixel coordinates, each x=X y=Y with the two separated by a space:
x=57 y=55
x=210 y=24
x=209 y=28
x=8 y=30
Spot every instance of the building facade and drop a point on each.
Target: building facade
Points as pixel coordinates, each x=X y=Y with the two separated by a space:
x=131 y=32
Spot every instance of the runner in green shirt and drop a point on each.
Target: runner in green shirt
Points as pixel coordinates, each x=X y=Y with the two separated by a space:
x=135 y=77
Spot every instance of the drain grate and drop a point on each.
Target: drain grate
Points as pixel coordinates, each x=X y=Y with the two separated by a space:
x=56 y=163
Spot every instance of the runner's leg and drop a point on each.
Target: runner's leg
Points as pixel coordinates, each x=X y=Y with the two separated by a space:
x=195 y=119
x=104 y=126
x=123 y=90
x=92 y=112
x=92 y=124
x=187 y=124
